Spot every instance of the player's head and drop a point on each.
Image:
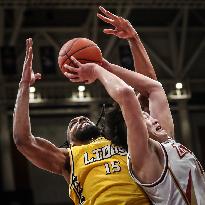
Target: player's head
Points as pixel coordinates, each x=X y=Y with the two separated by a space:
x=155 y=130
x=81 y=130
x=117 y=131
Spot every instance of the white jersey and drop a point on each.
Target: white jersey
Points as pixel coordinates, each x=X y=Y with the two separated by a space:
x=182 y=181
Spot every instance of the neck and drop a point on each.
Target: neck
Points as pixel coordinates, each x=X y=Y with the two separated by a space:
x=161 y=138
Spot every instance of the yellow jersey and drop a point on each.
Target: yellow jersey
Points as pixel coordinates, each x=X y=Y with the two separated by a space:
x=99 y=176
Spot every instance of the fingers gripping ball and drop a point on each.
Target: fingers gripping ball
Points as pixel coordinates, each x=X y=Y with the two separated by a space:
x=83 y=49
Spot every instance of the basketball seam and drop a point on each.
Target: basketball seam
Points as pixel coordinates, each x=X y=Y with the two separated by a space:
x=75 y=53
x=88 y=60
x=79 y=50
x=70 y=47
x=85 y=60
x=70 y=63
x=63 y=63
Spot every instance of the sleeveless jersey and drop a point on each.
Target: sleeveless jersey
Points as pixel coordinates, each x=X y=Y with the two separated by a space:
x=100 y=176
x=182 y=181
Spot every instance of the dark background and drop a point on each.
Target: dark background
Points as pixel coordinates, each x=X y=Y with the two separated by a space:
x=173 y=33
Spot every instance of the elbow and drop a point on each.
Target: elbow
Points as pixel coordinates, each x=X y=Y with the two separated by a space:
x=156 y=87
x=125 y=94
x=17 y=139
x=20 y=140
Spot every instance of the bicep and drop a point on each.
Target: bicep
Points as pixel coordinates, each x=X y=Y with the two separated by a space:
x=44 y=155
x=159 y=109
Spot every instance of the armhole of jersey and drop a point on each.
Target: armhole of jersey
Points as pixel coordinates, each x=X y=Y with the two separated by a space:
x=71 y=164
x=158 y=181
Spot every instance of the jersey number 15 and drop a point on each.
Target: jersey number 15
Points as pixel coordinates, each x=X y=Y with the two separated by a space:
x=112 y=167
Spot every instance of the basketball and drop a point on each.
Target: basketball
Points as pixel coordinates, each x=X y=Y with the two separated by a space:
x=83 y=49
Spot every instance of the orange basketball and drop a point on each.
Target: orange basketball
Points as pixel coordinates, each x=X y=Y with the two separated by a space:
x=83 y=49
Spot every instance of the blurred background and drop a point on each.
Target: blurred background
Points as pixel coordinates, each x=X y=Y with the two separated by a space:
x=173 y=32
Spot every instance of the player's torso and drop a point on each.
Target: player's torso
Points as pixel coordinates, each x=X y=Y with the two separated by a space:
x=188 y=172
x=100 y=176
x=183 y=182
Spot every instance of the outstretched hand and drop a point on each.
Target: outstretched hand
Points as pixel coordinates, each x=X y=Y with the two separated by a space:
x=28 y=75
x=81 y=72
x=122 y=27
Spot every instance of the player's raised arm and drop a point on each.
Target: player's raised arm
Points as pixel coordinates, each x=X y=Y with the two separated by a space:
x=39 y=151
x=123 y=29
x=153 y=90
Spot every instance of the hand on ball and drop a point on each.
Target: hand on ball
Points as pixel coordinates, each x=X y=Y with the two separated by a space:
x=81 y=72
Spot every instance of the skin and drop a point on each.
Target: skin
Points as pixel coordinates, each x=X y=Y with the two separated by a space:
x=155 y=130
x=76 y=124
x=123 y=29
x=37 y=150
x=146 y=154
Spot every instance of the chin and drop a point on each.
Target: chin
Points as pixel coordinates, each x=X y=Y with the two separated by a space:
x=87 y=133
x=159 y=136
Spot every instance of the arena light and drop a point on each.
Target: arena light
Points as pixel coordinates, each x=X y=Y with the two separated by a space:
x=179 y=86
x=81 y=88
x=32 y=89
x=34 y=97
x=81 y=94
x=180 y=92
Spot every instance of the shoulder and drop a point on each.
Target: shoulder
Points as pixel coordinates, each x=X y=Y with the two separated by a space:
x=154 y=168
x=65 y=151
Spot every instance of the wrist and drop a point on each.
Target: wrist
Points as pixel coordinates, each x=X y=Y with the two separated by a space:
x=109 y=67
x=24 y=82
x=134 y=37
x=106 y=65
x=96 y=71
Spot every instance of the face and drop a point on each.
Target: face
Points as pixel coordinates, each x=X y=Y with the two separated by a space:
x=156 y=132
x=80 y=129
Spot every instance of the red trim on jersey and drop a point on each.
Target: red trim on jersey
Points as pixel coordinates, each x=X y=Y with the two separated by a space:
x=189 y=187
x=181 y=150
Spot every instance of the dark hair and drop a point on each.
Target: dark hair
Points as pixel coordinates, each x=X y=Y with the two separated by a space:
x=84 y=135
x=87 y=133
x=115 y=127
x=110 y=125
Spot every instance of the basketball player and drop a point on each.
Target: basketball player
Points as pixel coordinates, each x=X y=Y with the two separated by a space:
x=94 y=167
x=123 y=29
x=168 y=172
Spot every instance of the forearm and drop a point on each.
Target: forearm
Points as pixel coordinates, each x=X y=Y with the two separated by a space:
x=21 y=120
x=139 y=82
x=141 y=59
x=113 y=84
x=39 y=151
